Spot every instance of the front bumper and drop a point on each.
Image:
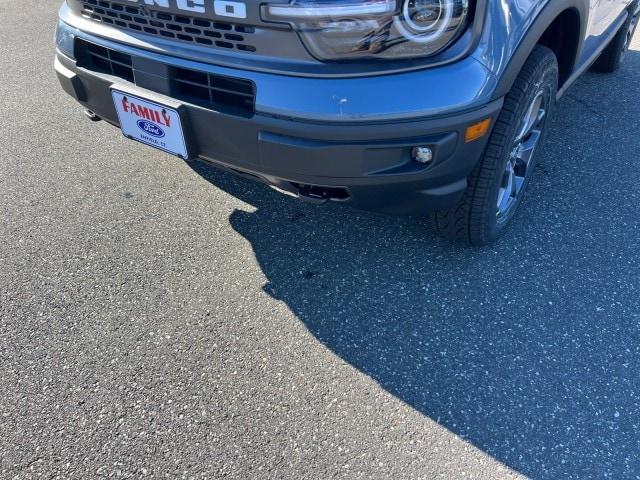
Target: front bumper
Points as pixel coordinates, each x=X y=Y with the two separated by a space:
x=365 y=161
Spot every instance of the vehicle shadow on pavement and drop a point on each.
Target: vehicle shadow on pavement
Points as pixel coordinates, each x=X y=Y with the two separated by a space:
x=528 y=349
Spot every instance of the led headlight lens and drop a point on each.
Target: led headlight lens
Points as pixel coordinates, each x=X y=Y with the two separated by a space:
x=335 y=30
x=423 y=15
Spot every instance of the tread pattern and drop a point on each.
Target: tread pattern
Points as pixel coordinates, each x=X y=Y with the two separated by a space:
x=473 y=220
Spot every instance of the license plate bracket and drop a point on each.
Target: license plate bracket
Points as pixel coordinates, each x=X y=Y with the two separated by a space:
x=152 y=123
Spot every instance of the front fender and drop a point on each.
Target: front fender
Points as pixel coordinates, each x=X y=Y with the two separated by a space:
x=512 y=30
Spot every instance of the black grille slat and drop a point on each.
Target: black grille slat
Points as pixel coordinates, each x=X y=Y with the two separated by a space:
x=104 y=60
x=235 y=96
x=215 y=91
x=192 y=30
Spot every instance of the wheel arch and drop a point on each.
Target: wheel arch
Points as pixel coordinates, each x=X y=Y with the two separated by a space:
x=560 y=26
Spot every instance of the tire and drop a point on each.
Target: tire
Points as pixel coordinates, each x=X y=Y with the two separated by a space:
x=610 y=59
x=479 y=217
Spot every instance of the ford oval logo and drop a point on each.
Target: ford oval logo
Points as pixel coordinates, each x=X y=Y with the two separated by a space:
x=150 y=128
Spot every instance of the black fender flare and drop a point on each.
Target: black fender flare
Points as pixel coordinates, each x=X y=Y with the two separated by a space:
x=545 y=18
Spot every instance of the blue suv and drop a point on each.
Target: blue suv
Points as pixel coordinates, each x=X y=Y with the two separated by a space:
x=400 y=106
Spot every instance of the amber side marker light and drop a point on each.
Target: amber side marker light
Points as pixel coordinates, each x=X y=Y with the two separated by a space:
x=477 y=130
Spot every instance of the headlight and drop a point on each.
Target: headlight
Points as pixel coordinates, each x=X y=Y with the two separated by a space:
x=334 y=29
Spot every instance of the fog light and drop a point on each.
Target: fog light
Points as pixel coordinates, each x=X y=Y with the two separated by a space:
x=422 y=154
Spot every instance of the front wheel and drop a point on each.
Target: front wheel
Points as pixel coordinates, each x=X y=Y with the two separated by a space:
x=499 y=180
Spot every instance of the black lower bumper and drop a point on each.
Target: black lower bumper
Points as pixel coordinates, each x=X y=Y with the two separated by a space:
x=368 y=165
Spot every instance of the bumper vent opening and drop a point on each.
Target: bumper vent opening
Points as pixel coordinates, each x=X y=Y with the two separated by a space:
x=217 y=92
x=185 y=28
x=234 y=96
x=104 y=60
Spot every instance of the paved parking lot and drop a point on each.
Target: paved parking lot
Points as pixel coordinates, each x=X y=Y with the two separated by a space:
x=165 y=319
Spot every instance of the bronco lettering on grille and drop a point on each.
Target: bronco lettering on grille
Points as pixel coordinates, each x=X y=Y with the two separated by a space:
x=220 y=7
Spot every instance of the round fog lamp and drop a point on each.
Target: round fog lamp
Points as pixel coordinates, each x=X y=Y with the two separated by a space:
x=422 y=154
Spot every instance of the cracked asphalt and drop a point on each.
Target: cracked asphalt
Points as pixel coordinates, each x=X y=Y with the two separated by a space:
x=160 y=319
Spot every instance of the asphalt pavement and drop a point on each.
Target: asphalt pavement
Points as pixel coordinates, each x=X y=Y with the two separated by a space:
x=160 y=319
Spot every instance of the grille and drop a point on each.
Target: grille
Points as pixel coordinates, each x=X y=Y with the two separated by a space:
x=193 y=30
x=231 y=95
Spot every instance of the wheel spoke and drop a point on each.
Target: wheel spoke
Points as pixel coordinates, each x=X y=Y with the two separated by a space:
x=532 y=117
x=501 y=200
x=513 y=183
x=504 y=198
x=517 y=168
x=528 y=148
x=507 y=190
x=519 y=181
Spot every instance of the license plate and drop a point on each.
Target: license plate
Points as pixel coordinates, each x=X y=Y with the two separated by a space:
x=150 y=123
